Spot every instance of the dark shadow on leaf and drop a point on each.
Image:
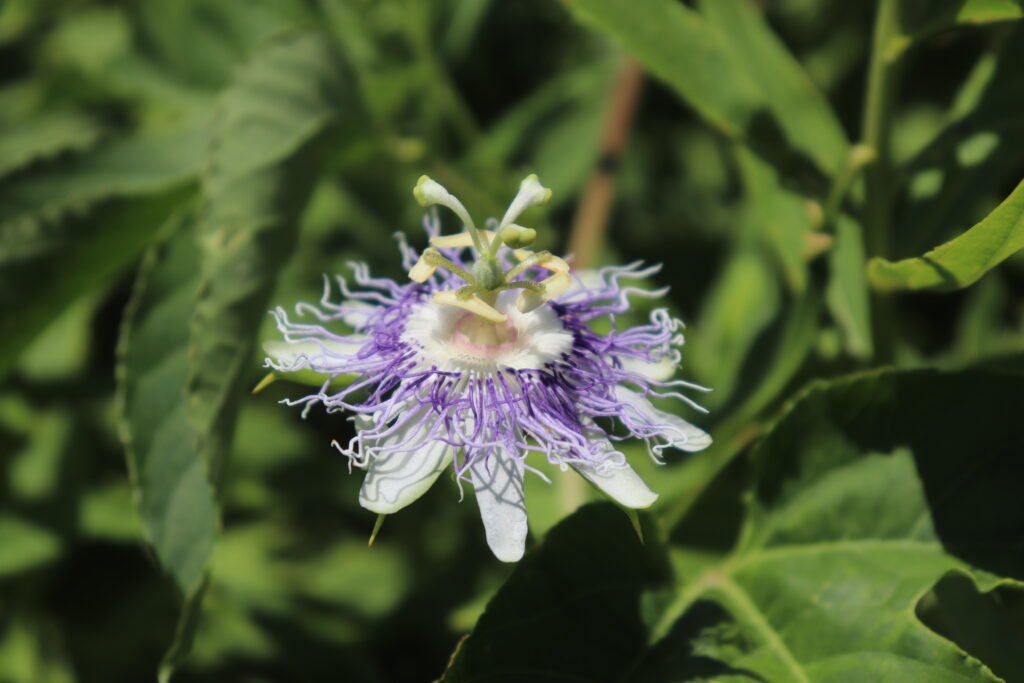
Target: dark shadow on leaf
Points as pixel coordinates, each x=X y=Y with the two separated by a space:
x=767 y=139
x=988 y=626
x=688 y=652
x=964 y=431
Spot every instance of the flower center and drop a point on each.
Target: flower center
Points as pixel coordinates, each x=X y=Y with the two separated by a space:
x=479 y=337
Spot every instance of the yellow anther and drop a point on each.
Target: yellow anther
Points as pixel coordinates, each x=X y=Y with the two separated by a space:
x=423 y=268
x=472 y=303
x=462 y=239
x=544 y=259
x=550 y=288
x=557 y=283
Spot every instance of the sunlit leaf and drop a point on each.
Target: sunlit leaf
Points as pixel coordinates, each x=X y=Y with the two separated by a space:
x=963 y=260
x=925 y=17
x=25 y=545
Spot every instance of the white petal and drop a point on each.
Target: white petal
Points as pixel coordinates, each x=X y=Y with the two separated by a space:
x=622 y=484
x=398 y=477
x=498 y=481
x=678 y=432
x=659 y=372
x=315 y=355
x=356 y=313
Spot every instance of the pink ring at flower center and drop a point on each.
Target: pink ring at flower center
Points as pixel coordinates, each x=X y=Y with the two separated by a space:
x=481 y=338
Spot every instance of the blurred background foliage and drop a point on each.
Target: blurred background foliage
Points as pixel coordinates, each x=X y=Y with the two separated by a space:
x=169 y=169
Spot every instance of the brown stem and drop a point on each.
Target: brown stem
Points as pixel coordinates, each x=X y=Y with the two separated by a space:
x=591 y=220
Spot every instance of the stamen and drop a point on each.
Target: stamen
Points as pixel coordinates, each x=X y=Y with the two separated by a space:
x=459 y=240
x=471 y=303
x=430 y=261
x=549 y=289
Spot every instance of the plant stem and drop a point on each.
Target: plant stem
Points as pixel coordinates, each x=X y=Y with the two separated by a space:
x=591 y=218
x=887 y=45
x=876 y=125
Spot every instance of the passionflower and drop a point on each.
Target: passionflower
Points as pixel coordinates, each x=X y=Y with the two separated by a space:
x=486 y=359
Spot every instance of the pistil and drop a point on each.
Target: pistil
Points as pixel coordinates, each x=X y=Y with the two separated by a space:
x=487 y=277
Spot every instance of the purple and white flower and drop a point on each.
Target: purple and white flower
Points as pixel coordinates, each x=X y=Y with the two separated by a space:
x=486 y=357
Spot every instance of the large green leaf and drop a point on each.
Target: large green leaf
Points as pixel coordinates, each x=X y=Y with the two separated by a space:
x=957 y=176
x=131 y=167
x=269 y=137
x=570 y=610
x=730 y=67
x=171 y=484
x=67 y=227
x=963 y=260
x=870 y=489
x=799 y=108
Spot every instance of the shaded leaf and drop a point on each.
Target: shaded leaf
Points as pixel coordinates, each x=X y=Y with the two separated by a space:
x=870 y=489
x=743 y=301
x=68 y=227
x=800 y=109
x=956 y=177
x=847 y=293
x=776 y=215
x=131 y=167
x=570 y=610
x=745 y=85
x=43 y=137
x=170 y=482
x=49 y=265
x=25 y=545
x=963 y=260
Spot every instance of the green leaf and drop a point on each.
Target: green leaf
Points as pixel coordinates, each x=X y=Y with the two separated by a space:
x=926 y=17
x=777 y=215
x=869 y=490
x=961 y=261
x=42 y=137
x=171 y=483
x=185 y=631
x=730 y=67
x=743 y=301
x=847 y=293
x=957 y=176
x=131 y=167
x=69 y=227
x=799 y=108
x=272 y=126
x=26 y=545
x=569 y=612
